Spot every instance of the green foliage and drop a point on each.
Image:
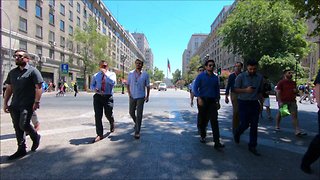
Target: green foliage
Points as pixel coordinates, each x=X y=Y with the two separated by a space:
x=93 y=47
x=191 y=73
x=176 y=76
x=262 y=27
x=157 y=74
x=149 y=71
x=309 y=9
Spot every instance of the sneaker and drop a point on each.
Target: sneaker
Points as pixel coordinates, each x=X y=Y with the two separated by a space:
x=19 y=154
x=301 y=134
x=218 y=146
x=203 y=140
x=36 y=143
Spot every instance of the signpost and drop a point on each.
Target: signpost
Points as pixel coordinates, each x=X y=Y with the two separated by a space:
x=64 y=68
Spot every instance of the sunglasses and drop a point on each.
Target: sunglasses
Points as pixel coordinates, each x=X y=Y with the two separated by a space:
x=18 y=56
x=210 y=65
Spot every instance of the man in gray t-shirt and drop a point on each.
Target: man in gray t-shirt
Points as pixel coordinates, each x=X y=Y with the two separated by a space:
x=24 y=85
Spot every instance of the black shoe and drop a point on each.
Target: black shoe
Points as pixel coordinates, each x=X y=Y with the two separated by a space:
x=236 y=138
x=112 y=127
x=203 y=140
x=137 y=136
x=19 y=154
x=36 y=143
x=306 y=169
x=254 y=151
x=218 y=146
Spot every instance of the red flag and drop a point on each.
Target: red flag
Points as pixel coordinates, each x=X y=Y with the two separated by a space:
x=169 y=65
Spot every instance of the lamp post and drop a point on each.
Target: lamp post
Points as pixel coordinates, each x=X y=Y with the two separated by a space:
x=123 y=58
x=10 y=37
x=297 y=59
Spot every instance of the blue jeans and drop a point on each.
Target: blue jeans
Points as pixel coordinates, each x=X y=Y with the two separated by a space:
x=249 y=116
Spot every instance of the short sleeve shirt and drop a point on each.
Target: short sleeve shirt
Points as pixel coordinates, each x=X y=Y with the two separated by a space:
x=23 y=85
x=317 y=81
x=138 y=83
x=286 y=88
x=245 y=80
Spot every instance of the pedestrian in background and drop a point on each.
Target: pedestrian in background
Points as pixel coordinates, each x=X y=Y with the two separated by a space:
x=102 y=84
x=248 y=85
x=4 y=87
x=200 y=70
x=313 y=152
x=24 y=85
x=75 y=89
x=138 y=82
x=266 y=98
x=207 y=90
x=287 y=91
x=234 y=96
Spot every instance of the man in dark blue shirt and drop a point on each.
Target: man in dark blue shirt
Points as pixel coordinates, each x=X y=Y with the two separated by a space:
x=206 y=88
x=234 y=97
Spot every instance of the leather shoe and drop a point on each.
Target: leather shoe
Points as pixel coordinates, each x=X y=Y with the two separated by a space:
x=254 y=151
x=98 y=138
x=137 y=136
x=203 y=140
x=19 y=154
x=112 y=127
x=218 y=146
x=36 y=143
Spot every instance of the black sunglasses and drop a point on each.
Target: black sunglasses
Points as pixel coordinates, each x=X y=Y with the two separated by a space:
x=211 y=65
x=19 y=56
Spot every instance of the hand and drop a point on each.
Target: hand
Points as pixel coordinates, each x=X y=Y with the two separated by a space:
x=6 y=108
x=250 y=89
x=218 y=106
x=200 y=102
x=226 y=100
x=36 y=106
x=146 y=99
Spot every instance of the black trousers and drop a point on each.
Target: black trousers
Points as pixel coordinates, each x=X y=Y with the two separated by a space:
x=208 y=111
x=21 y=117
x=100 y=103
x=313 y=152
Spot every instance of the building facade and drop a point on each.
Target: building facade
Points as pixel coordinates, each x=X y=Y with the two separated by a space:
x=193 y=45
x=143 y=45
x=45 y=28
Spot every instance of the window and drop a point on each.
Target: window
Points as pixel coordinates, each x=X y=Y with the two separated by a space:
x=70 y=45
x=78 y=7
x=70 y=30
x=62 y=57
x=78 y=48
x=71 y=2
x=84 y=25
x=39 y=49
x=38 y=31
x=51 y=18
x=51 y=53
x=84 y=12
x=62 y=9
x=38 y=11
x=23 y=4
x=23 y=45
x=23 y=24
x=104 y=31
x=61 y=25
x=51 y=3
x=51 y=36
x=78 y=21
x=70 y=15
x=62 y=41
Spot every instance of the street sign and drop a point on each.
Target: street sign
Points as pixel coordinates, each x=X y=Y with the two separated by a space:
x=64 y=68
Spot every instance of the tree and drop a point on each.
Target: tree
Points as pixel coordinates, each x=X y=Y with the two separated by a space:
x=191 y=73
x=93 y=47
x=176 y=76
x=309 y=9
x=264 y=27
x=149 y=71
x=158 y=74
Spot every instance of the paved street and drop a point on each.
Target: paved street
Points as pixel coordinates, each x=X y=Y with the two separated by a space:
x=169 y=146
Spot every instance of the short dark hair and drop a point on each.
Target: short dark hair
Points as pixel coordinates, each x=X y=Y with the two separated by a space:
x=286 y=70
x=200 y=67
x=209 y=60
x=24 y=51
x=252 y=63
x=241 y=64
x=139 y=60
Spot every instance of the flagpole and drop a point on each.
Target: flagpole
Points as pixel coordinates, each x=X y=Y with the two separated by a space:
x=167 y=68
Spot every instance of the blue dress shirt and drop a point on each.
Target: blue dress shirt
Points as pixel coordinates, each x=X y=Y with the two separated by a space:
x=207 y=86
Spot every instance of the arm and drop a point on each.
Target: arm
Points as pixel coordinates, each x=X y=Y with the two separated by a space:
x=128 y=84
x=111 y=79
x=228 y=89
x=317 y=93
x=6 y=98
x=148 y=88
x=36 y=104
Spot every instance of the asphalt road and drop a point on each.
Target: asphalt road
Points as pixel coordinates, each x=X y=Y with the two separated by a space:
x=169 y=147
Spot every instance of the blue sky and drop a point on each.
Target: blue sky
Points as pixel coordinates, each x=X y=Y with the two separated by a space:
x=168 y=25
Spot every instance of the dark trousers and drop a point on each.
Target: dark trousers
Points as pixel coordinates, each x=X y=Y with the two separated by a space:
x=100 y=103
x=208 y=111
x=136 y=105
x=249 y=116
x=313 y=152
x=198 y=116
x=21 y=117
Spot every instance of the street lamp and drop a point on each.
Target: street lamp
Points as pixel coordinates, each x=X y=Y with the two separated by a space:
x=123 y=58
x=297 y=59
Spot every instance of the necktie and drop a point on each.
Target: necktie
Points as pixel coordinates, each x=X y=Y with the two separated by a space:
x=103 y=83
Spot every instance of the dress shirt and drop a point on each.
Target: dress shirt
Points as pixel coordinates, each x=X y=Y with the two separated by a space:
x=245 y=80
x=138 y=83
x=207 y=86
x=96 y=82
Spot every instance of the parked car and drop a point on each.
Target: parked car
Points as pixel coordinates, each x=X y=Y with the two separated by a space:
x=162 y=86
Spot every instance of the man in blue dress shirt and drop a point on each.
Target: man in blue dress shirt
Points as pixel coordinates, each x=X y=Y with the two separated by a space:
x=206 y=89
x=138 y=82
x=102 y=84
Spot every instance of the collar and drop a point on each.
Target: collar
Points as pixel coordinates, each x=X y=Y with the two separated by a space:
x=247 y=74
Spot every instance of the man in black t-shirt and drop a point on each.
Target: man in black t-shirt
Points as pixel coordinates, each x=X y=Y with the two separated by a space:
x=24 y=85
x=313 y=152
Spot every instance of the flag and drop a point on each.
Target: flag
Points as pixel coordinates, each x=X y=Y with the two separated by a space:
x=169 y=65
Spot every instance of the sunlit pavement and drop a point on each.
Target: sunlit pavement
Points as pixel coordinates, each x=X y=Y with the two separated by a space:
x=169 y=147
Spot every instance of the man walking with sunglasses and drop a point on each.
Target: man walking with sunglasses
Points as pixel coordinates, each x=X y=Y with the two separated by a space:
x=24 y=85
x=206 y=89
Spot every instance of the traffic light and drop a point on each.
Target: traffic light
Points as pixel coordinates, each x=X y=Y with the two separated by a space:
x=219 y=71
